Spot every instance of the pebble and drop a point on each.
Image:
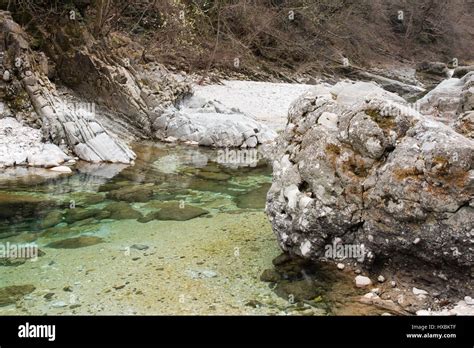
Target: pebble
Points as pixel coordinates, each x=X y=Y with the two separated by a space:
x=419 y=291
x=209 y=274
x=469 y=300
x=357 y=271
x=59 y=304
x=393 y=283
x=49 y=296
x=416 y=241
x=139 y=247
x=61 y=169
x=194 y=274
x=381 y=279
x=362 y=282
x=6 y=76
x=340 y=266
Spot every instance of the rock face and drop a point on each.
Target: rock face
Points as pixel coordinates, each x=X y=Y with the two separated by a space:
x=61 y=123
x=356 y=167
x=451 y=99
x=452 y=102
x=432 y=72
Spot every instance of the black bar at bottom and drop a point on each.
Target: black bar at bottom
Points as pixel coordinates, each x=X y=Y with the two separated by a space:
x=136 y=331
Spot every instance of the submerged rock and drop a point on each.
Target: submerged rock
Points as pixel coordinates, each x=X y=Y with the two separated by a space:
x=22 y=206
x=75 y=243
x=122 y=211
x=363 y=170
x=132 y=194
x=10 y=294
x=299 y=290
x=175 y=211
x=51 y=219
x=78 y=214
x=254 y=199
x=270 y=275
x=84 y=199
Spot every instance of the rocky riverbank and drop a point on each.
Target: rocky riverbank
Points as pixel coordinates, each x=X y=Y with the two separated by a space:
x=362 y=172
x=367 y=187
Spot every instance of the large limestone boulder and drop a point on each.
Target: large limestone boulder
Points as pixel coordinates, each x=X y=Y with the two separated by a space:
x=209 y=123
x=356 y=166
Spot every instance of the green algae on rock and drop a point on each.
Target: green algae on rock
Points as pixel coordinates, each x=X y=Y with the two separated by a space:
x=78 y=214
x=75 y=243
x=13 y=205
x=178 y=212
x=51 y=219
x=254 y=199
x=122 y=211
x=84 y=199
x=10 y=294
x=132 y=194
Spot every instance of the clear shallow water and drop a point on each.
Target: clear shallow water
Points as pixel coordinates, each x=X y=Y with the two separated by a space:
x=177 y=233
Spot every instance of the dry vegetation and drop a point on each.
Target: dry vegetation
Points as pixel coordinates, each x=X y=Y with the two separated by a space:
x=272 y=36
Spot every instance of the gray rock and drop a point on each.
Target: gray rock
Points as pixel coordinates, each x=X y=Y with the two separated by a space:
x=417 y=291
x=378 y=178
x=462 y=70
x=139 y=247
x=362 y=282
x=211 y=125
x=450 y=98
x=6 y=76
x=433 y=68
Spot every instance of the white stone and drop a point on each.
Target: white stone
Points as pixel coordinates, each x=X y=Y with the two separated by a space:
x=417 y=291
x=362 y=281
x=381 y=279
x=305 y=248
x=469 y=300
x=6 y=76
x=61 y=169
x=58 y=304
x=341 y=266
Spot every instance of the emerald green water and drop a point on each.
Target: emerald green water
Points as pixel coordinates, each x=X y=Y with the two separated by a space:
x=176 y=233
x=173 y=174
